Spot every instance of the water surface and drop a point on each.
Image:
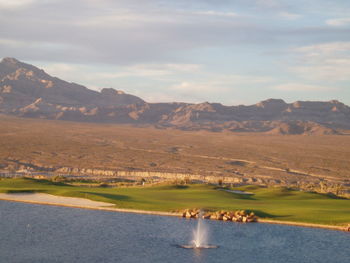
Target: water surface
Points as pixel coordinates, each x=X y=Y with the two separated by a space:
x=38 y=233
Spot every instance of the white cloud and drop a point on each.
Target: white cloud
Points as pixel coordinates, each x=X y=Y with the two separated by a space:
x=151 y=70
x=329 y=73
x=157 y=97
x=15 y=3
x=242 y=79
x=182 y=67
x=153 y=45
x=123 y=32
x=300 y=87
x=325 y=48
x=42 y=45
x=195 y=87
x=63 y=70
x=213 y=85
x=122 y=18
x=289 y=16
x=170 y=81
x=11 y=42
x=198 y=91
x=269 y=3
x=327 y=62
x=214 y=82
x=60 y=68
x=338 y=21
x=78 y=73
x=216 y=13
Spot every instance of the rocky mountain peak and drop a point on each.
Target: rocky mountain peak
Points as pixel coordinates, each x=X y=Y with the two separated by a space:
x=271 y=102
x=28 y=91
x=111 y=92
x=205 y=106
x=13 y=66
x=10 y=61
x=117 y=97
x=272 y=106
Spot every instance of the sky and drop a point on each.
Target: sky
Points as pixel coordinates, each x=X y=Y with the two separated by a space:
x=230 y=52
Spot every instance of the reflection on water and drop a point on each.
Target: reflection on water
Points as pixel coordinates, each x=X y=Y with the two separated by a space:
x=197 y=255
x=35 y=233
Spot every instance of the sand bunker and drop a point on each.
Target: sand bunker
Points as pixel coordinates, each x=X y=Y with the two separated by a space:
x=237 y=192
x=42 y=198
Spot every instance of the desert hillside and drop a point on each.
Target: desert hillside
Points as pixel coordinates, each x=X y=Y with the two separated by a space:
x=28 y=91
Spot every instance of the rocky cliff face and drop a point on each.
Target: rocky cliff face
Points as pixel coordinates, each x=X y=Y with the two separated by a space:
x=30 y=92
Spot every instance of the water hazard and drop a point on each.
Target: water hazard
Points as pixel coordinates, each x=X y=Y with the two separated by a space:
x=37 y=233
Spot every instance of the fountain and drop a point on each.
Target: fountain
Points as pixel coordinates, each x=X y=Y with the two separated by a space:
x=200 y=236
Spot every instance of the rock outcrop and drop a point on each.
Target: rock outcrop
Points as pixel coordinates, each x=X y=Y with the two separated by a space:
x=240 y=216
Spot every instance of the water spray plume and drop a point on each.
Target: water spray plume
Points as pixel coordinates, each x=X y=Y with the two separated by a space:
x=200 y=236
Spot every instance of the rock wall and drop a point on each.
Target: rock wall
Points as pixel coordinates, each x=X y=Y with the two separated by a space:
x=160 y=175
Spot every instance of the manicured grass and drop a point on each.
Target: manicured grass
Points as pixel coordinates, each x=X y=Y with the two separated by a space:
x=273 y=203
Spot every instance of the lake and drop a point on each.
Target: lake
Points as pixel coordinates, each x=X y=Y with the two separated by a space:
x=39 y=233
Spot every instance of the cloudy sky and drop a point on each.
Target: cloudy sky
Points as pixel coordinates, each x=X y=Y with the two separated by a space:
x=232 y=52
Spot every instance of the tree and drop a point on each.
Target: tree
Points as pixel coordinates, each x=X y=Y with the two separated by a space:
x=220 y=182
x=58 y=178
x=143 y=181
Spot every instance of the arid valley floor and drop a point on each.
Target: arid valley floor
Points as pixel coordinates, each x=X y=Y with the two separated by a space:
x=314 y=162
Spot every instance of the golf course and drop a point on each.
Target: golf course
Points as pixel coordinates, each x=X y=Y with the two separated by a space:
x=276 y=203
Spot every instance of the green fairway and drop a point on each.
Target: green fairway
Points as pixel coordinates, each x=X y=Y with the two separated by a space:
x=273 y=203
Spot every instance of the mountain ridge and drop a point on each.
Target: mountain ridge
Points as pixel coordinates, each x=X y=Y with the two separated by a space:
x=28 y=91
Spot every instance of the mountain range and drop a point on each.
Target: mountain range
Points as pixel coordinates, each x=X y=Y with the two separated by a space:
x=28 y=91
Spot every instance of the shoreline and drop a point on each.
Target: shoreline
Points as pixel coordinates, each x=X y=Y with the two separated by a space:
x=301 y=224
x=107 y=207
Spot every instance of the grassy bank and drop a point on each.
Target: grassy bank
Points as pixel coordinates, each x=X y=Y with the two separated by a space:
x=271 y=203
